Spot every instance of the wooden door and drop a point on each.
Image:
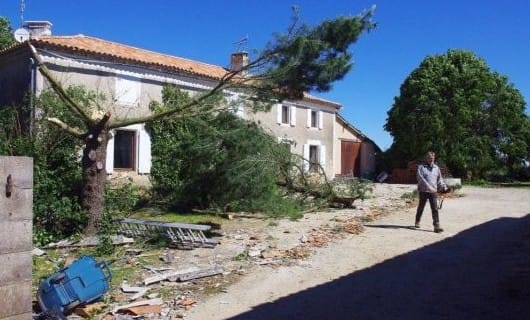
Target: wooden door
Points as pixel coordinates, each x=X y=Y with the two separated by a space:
x=349 y=151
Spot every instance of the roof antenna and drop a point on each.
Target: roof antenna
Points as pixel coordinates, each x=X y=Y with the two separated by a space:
x=21 y=34
x=241 y=43
x=22 y=7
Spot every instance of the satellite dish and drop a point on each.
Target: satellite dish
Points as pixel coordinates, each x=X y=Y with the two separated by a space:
x=21 y=34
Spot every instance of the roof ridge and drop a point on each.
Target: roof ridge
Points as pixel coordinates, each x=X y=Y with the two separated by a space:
x=80 y=35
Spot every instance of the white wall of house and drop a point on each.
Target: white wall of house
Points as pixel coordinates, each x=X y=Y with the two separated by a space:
x=304 y=124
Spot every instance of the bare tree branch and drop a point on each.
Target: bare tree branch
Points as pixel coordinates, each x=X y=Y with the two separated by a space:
x=71 y=104
x=223 y=83
x=73 y=131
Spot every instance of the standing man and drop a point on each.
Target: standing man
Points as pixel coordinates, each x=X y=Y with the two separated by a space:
x=429 y=182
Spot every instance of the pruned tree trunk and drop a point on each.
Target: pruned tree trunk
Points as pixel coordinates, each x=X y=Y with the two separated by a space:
x=94 y=178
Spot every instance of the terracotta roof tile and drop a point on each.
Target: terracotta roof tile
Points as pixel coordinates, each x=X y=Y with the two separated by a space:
x=89 y=45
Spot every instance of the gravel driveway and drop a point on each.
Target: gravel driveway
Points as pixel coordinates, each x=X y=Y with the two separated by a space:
x=479 y=268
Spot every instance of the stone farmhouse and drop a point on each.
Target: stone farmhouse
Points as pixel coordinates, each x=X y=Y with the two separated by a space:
x=131 y=78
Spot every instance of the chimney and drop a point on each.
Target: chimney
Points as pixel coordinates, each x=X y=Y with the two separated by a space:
x=238 y=61
x=38 y=28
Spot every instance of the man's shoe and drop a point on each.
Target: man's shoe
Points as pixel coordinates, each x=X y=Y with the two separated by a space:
x=437 y=229
x=417 y=225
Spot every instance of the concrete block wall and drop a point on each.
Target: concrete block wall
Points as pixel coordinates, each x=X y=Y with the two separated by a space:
x=16 y=200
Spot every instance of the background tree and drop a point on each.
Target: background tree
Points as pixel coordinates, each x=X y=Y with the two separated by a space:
x=303 y=59
x=6 y=33
x=471 y=116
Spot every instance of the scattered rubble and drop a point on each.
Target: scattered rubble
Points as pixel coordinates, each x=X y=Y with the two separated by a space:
x=181 y=278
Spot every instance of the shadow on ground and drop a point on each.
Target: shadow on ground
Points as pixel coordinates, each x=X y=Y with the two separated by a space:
x=481 y=273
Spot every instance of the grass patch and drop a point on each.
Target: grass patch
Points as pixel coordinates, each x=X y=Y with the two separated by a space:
x=243 y=256
x=410 y=195
x=512 y=184
x=165 y=216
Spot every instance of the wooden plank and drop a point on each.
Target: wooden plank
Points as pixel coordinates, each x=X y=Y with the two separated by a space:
x=16 y=299
x=15 y=236
x=201 y=273
x=184 y=275
x=16 y=267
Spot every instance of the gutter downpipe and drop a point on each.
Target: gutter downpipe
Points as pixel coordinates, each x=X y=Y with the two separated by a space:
x=32 y=93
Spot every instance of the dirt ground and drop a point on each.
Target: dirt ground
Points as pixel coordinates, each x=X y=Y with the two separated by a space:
x=369 y=263
x=362 y=263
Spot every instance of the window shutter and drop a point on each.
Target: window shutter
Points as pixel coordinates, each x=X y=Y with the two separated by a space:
x=109 y=161
x=322 y=155
x=144 y=151
x=305 y=161
x=278 y=113
x=127 y=90
x=309 y=118
x=320 y=120
x=293 y=116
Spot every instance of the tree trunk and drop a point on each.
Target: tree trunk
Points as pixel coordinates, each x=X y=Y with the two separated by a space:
x=94 y=178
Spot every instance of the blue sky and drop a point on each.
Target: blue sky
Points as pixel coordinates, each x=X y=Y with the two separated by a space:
x=497 y=31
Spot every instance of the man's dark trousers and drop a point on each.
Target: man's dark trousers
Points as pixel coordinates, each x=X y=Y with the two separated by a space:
x=433 y=202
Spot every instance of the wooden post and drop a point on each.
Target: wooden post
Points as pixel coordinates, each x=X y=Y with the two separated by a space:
x=16 y=201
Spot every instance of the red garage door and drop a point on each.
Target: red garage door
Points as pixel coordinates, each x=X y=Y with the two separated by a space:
x=350 y=158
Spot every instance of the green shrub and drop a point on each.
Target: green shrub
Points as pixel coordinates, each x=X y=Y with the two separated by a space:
x=359 y=189
x=122 y=198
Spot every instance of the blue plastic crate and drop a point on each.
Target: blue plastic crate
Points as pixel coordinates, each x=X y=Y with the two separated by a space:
x=82 y=282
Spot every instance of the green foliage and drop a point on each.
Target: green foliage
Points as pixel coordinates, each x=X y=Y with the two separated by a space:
x=212 y=161
x=122 y=198
x=6 y=33
x=105 y=230
x=306 y=59
x=359 y=189
x=472 y=117
x=243 y=256
x=410 y=195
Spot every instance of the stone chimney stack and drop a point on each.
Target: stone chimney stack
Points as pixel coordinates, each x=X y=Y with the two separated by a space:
x=38 y=28
x=238 y=61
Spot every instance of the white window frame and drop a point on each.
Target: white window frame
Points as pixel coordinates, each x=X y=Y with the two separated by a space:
x=291 y=115
x=321 y=149
x=142 y=154
x=319 y=120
